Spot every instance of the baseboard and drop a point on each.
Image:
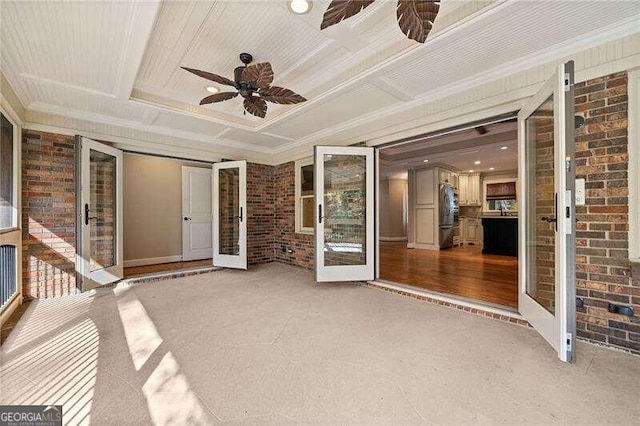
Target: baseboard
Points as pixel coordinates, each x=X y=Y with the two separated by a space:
x=393 y=238
x=152 y=261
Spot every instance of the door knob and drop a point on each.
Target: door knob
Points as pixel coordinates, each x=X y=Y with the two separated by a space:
x=186 y=218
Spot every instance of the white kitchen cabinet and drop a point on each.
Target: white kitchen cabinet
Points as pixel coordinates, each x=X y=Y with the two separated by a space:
x=472 y=231
x=469 y=189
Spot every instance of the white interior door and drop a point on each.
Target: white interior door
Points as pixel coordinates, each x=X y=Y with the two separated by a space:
x=100 y=255
x=197 y=220
x=230 y=217
x=345 y=219
x=547 y=220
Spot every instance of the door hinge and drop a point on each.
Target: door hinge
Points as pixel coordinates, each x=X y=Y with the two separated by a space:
x=569 y=338
x=567 y=82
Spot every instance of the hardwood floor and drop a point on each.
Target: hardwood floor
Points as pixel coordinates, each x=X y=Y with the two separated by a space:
x=462 y=271
x=164 y=267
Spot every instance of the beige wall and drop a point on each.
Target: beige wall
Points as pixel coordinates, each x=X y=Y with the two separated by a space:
x=393 y=208
x=152 y=206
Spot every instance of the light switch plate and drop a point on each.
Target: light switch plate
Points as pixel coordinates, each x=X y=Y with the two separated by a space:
x=580 y=192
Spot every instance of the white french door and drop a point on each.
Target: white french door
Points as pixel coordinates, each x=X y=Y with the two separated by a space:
x=547 y=219
x=197 y=207
x=100 y=255
x=344 y=217
x=230 y=214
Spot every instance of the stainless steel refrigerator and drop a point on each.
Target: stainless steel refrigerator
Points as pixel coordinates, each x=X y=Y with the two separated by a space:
x=446 y=219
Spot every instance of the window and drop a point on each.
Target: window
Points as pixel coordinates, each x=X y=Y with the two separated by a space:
x=8 y=168
x=305 y=202
x=500 y=195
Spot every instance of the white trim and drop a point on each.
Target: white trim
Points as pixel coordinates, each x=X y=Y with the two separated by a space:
x=362 y=272
x=92 y=279
x=12 y=305
x=393 y=238
x=634 y=164
x=152 y=261
x=10 y=112
x=550 y=326
x=298 y=196
x=452 y=299
x=225 y=260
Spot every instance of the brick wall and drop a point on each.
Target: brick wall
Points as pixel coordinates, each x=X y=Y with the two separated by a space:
x=261 y=212
x=302 y=245
x=602 y=258
x=48 y=214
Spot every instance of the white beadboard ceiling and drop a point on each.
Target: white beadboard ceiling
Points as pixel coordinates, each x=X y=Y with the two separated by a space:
x=117 y=64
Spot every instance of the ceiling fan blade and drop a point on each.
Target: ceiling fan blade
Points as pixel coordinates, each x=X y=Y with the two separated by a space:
x=280 y=95
x=210 y=76
x=218 y=97
x=342 y=9
x=416 y=17
x=256 y=106
x=261 y=74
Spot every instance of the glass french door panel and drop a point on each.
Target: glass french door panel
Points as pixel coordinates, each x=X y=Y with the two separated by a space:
x=229 y=211
x=103 y=202
x=540 y=217
x=345 y=231
x=7 y=201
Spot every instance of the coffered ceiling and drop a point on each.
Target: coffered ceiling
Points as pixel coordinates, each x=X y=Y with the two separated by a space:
x=116 y=64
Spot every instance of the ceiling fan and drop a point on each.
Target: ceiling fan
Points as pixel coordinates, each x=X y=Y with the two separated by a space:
x=415 y=17
x=253 y=83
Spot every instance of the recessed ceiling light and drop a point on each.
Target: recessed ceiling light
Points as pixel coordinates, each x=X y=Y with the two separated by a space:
x=212 y=89
x=504 y=147
x=492 y=168
x=470 y=171
x=425 y=161
x=476 y=162
x=300 y=7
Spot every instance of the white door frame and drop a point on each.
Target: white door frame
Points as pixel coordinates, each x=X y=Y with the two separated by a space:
x=88 y=279
x=188 y=216
x=225 y=260
x=558 y=329
x=345 y=272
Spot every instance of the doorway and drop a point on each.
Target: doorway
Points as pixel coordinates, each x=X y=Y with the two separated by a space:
x=449 y=213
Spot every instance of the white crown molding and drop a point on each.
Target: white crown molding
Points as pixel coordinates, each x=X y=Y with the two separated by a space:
x=118 y=122
x=6 y=105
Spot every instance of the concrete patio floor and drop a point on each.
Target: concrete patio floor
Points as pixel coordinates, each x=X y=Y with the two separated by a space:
x=269 y=346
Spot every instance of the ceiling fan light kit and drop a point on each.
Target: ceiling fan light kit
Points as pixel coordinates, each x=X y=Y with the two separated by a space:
x=415 y=17
x=253 y=83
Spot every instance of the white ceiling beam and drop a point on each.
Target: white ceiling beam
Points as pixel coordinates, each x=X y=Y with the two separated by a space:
x=142 y=21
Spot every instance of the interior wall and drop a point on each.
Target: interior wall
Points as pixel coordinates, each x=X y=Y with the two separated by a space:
x=393 y=209
x=152 y=203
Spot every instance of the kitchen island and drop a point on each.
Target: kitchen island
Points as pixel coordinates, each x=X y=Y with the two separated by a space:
x=500 y=235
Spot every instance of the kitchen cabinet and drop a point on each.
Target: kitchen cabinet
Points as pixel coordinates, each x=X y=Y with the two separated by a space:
x=472 y=231
x=469 y=189
x=500 y=235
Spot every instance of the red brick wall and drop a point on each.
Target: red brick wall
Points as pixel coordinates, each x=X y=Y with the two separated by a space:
x=602 y=258
x=286 y=238
x=48 y=214
x=260 y=213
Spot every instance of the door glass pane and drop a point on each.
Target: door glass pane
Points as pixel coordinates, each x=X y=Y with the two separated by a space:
x=6 y=175
x=229 y=211
x=540 y=212
x=102 y=187
x=345 y=210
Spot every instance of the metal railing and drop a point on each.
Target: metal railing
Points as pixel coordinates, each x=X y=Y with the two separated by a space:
x=8 y=279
